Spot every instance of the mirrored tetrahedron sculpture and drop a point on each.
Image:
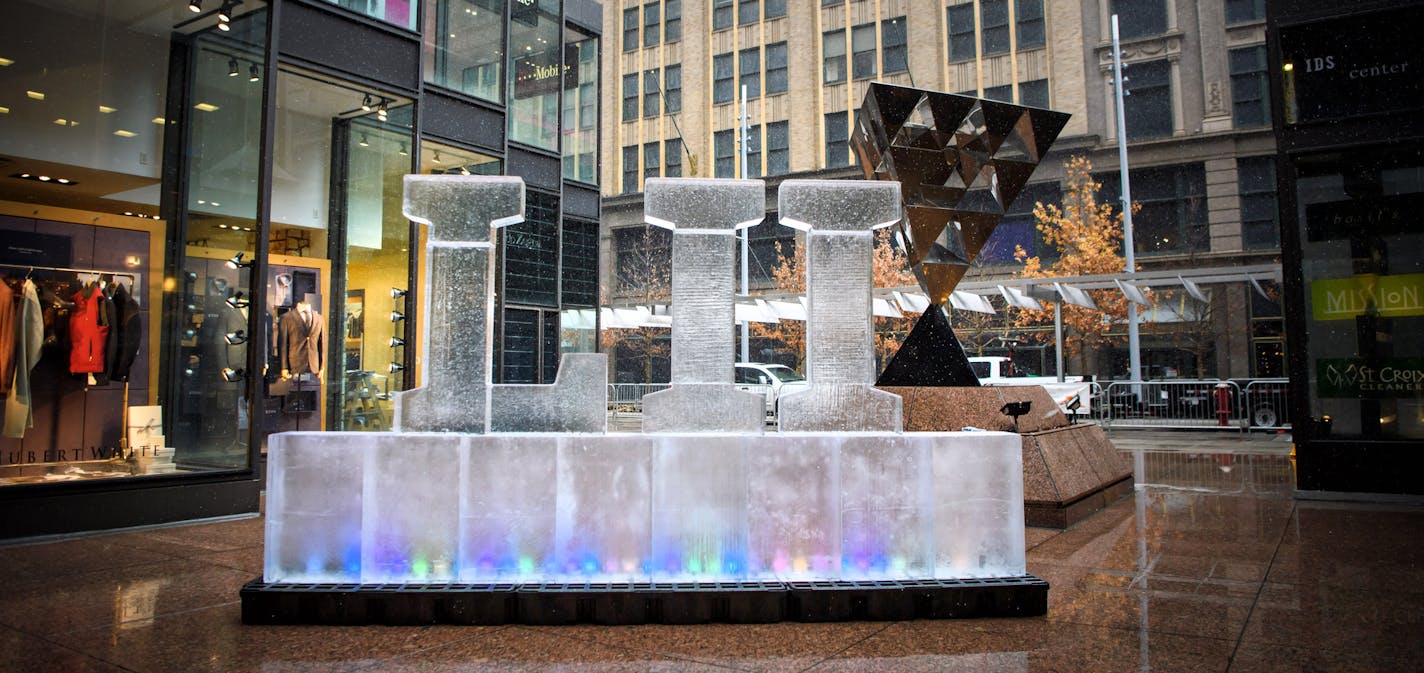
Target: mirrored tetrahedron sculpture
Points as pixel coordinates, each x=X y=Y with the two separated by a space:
x=703 y=216
x=462 y=212
x=839 y=217
x=961 y=162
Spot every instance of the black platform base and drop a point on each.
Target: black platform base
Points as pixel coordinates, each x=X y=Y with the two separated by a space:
x=670 y=603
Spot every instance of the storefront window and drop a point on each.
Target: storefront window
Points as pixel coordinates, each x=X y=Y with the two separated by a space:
x=333 y=319
x=464 y=46
x=133 y=352
x=1363 y=271
x=397 y=12
x=580 y=124
x=536 y=63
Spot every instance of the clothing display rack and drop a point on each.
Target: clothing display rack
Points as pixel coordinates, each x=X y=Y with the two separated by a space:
x=99 y=274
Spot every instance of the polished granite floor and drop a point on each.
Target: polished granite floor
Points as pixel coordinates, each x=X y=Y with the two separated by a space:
x=1211 y=566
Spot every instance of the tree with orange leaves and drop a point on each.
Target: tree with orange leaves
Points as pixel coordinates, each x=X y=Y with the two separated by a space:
x=1088 y=235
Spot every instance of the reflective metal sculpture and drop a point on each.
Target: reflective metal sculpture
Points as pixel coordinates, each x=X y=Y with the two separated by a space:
x=961 y=162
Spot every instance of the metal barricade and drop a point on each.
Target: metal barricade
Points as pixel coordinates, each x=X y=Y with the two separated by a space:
x=1265 y=403
x=628 y=397
x=1198 y=404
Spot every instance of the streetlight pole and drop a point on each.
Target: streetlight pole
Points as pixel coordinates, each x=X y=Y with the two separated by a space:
x=1133 y=348
x=747 y=232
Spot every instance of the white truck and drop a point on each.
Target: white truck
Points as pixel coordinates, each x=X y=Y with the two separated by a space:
x=1073 y=395
x=770 y=380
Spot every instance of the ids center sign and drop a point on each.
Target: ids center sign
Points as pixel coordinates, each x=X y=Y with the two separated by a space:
x=1359 y=378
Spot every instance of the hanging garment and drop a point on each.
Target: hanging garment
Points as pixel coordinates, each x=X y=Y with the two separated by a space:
x=302 y=341
x=29 y=332
x=129 y=330
x=88 y=331
x=9 y=343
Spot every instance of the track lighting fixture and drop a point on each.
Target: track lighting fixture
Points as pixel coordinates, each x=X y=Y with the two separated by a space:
x=235 y=262
x=225 y=12
x=397 y=293
x=224 y=26
x=235 y=338
x=253 y=74
x=464 y=170
x=403 y=151
x=437 y=158
x=364 y=142
x=397 y=342
x=397 y=316
x=233 y=375
x=397 y=367
x=232 y=67
x=366 y=103
x=381 y=110
x=236 y=301
x=195 y=6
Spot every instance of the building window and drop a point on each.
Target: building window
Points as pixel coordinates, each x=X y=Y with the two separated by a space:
x=892 y=44
x=1034 y=93
x=721 y=14
x=753 y=141
x=1173 y=218
x=833 y=56
x=1003 y=93
x=531 y=253
x=725 y=146
x=673 y=151
x=862 y=47
x=532 y=103
x=776 y=68
x=1250 y=105
x=748 y=11
x=722 y=82
x=579 y=266
x=837 y=140
x=1136 y=18
x=630 y=29
x=467 y=54
x=961 y=32
x=672 y=20
x=1148 y=110
x=630 y=169
x=1018 y=229
x=672 y=88
x=994 y=14
x=1256 y=182
x=749 y=71
x=651 y=22
x=651 y=107
x=630 y=97
x=652 y=160
x=1241 y=11
x=775 y=9
x=1028 y=15
x=580 y=124
x=778 y=148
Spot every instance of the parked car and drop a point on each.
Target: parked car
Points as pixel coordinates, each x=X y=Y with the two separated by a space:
x=1073 y=395
x=771 y=380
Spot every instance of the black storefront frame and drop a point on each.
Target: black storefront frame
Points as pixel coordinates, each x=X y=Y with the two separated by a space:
x=1328 y=466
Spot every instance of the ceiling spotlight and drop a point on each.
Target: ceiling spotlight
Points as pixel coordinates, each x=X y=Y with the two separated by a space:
x=253 y=74
x=225 y=12
x=397 y=293
x=235 y=338
x=381 y=110
x=464 y=170
x=195 y=6
x=235 y=262
x=437 y=158
x=233 y=375
x=397 y=342
x=397 y=316
x=366 y=103
x=236 y=301
x=397 y=367
x=364 y=142
x=232 y=67
x=224 y=26
x=403 y=151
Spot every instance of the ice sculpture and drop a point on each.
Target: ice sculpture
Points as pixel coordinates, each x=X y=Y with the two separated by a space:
x=704 y=216
x=461 y=211
x=707 y=498
x=838 y=217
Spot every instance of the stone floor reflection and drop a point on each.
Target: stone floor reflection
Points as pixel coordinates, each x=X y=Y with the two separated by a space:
x=1211 y=566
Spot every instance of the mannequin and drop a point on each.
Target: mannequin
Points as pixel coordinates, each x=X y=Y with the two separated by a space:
x=302 y=340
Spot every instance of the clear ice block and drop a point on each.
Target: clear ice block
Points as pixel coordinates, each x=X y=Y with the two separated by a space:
x=314 y=495
x=577 y=400
x=839 y=217
x=793 y=508
x=410 y=512
x=887 y=513
x=979 y=515
x=507 y=508
x=699 y=508
x=603 y=527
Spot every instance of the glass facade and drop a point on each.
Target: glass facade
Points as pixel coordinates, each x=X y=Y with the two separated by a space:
x=203 y=270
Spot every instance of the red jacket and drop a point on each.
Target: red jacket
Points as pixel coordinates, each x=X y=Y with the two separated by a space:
x=87 y=336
